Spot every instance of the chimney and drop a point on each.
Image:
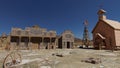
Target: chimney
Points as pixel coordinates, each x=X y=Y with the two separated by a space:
x=101 y=15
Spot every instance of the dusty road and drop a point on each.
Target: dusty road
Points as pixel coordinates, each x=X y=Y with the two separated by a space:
x=71 y=58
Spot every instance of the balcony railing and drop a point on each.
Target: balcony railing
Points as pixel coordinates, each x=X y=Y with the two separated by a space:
x=32 y=34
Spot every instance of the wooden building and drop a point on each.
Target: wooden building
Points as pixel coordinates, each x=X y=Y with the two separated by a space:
x=4 y=41
x=33 y=37
x=106 y=33
x=66 y=40
x=36 y=37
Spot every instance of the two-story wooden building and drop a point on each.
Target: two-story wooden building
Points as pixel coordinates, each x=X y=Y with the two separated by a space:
x=33 y=37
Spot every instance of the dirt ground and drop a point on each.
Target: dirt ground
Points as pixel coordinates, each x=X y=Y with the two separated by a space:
x=68 y=58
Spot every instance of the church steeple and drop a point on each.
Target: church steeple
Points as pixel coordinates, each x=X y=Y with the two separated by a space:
x=101 y=14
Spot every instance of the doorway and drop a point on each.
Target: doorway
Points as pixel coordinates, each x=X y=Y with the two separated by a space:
x=68 y=44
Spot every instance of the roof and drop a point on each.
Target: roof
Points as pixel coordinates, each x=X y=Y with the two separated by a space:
x=100 y=35
x=112 y=23
x=101 y=11
x=4 y=35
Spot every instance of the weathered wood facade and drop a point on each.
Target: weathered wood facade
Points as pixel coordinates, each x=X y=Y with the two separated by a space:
x=66 y=40
x=36 y=38
x=33 y=37
x=106 y=33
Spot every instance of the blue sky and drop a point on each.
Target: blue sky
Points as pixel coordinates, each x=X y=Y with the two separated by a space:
x=56 y=15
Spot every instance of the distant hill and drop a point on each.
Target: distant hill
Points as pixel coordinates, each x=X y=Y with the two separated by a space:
x=77 y=40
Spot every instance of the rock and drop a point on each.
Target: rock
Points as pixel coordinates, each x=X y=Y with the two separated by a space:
x=92 y=60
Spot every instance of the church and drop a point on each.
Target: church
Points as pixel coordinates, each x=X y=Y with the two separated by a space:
x=106 y=33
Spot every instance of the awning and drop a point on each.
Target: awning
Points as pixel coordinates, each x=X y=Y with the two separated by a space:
x=102 y=37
